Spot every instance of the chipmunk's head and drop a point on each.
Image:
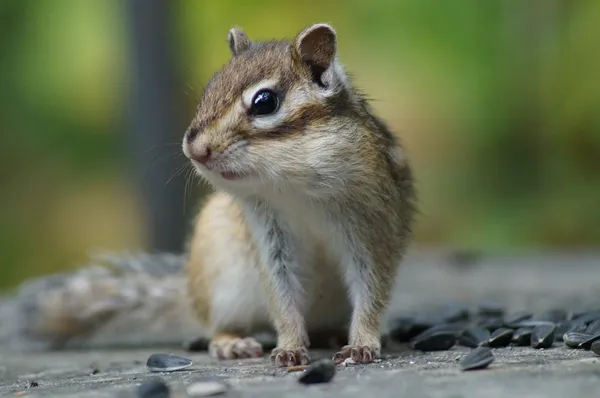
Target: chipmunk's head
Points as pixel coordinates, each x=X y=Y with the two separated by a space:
x=274 y=115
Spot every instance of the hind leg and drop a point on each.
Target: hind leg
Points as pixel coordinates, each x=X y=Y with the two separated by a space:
x=224 y=281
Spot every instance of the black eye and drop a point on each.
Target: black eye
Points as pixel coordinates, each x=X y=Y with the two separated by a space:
x=264 y=103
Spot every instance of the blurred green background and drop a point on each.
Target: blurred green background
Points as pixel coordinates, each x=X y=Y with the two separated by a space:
x=497 y=101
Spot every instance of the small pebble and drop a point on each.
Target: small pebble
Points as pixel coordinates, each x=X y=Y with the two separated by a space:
x=206 y=389
x=167 y=363
x=153 y=388
x=542 y=336
x=349 y=362
x=478 y=358
x=321 y=371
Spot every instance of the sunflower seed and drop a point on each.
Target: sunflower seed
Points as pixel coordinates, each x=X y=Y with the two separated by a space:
x=588 y=317
x=500 y=337
x=479 y=358
x=491 y=323
x=586 y=344
x=490 y=309
x=440 y=340
x=555 y=315
x=517 y=317
x=595 y=348
x=573 y=339
x=422 y=322
x=196 y=345
x=444 y=327
x=167 y=363
x=474 y=336
x=530 y=323
x=568 y=326
x=455 y=313
x=321 y=371
x=522 y=337
x=593 y=327
x=542 y=336
x=399 y=328
x=153 y=388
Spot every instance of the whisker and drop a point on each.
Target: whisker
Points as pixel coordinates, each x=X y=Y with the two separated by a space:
x=178 y=172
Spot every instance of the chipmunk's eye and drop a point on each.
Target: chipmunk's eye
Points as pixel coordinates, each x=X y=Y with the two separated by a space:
x=264 y=102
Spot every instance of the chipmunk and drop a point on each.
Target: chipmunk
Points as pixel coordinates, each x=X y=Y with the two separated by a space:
x=310 y=219
x=313 y=206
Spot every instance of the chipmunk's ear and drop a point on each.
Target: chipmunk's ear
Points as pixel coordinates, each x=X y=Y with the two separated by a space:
x=315 y=47
x=238 y=41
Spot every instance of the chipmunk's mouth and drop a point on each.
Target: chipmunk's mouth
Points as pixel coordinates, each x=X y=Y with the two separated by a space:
x=234 y=175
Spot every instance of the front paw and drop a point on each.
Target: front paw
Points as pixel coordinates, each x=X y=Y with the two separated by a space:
x=235 y=348
x=359 y=354
x=282 y=357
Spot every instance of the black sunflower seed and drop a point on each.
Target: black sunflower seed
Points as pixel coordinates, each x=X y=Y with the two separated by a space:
x=405 y=328
x=167 y=363
x=321 y=371
x=434 y=341
x=530 y=323
x=593 y=327
x=555 y=316
x=474 y=336
x=444 y=327
x=542 y=336
x=586 y=344
x=588 y=317
x=573 y=339
x=455 y=313
x=522 y=337
x=516 y=317
x=491 y=323
x=399 y=328
x=595 y=348
x=578 y=327
x=154 y=388
x=500 y=338
x=478 y=358
x=196 y=345
x=490 y=309
x=565 y=327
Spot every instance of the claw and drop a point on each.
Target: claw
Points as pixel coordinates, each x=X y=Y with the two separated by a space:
x=286 y=358
x=359 y=354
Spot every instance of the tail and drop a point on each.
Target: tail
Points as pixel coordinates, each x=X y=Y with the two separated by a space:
x=117 y=300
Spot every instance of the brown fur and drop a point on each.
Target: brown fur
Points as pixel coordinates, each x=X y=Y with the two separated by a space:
x=332 y=151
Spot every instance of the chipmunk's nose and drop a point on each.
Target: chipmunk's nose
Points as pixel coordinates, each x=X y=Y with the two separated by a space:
x=201 y=153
